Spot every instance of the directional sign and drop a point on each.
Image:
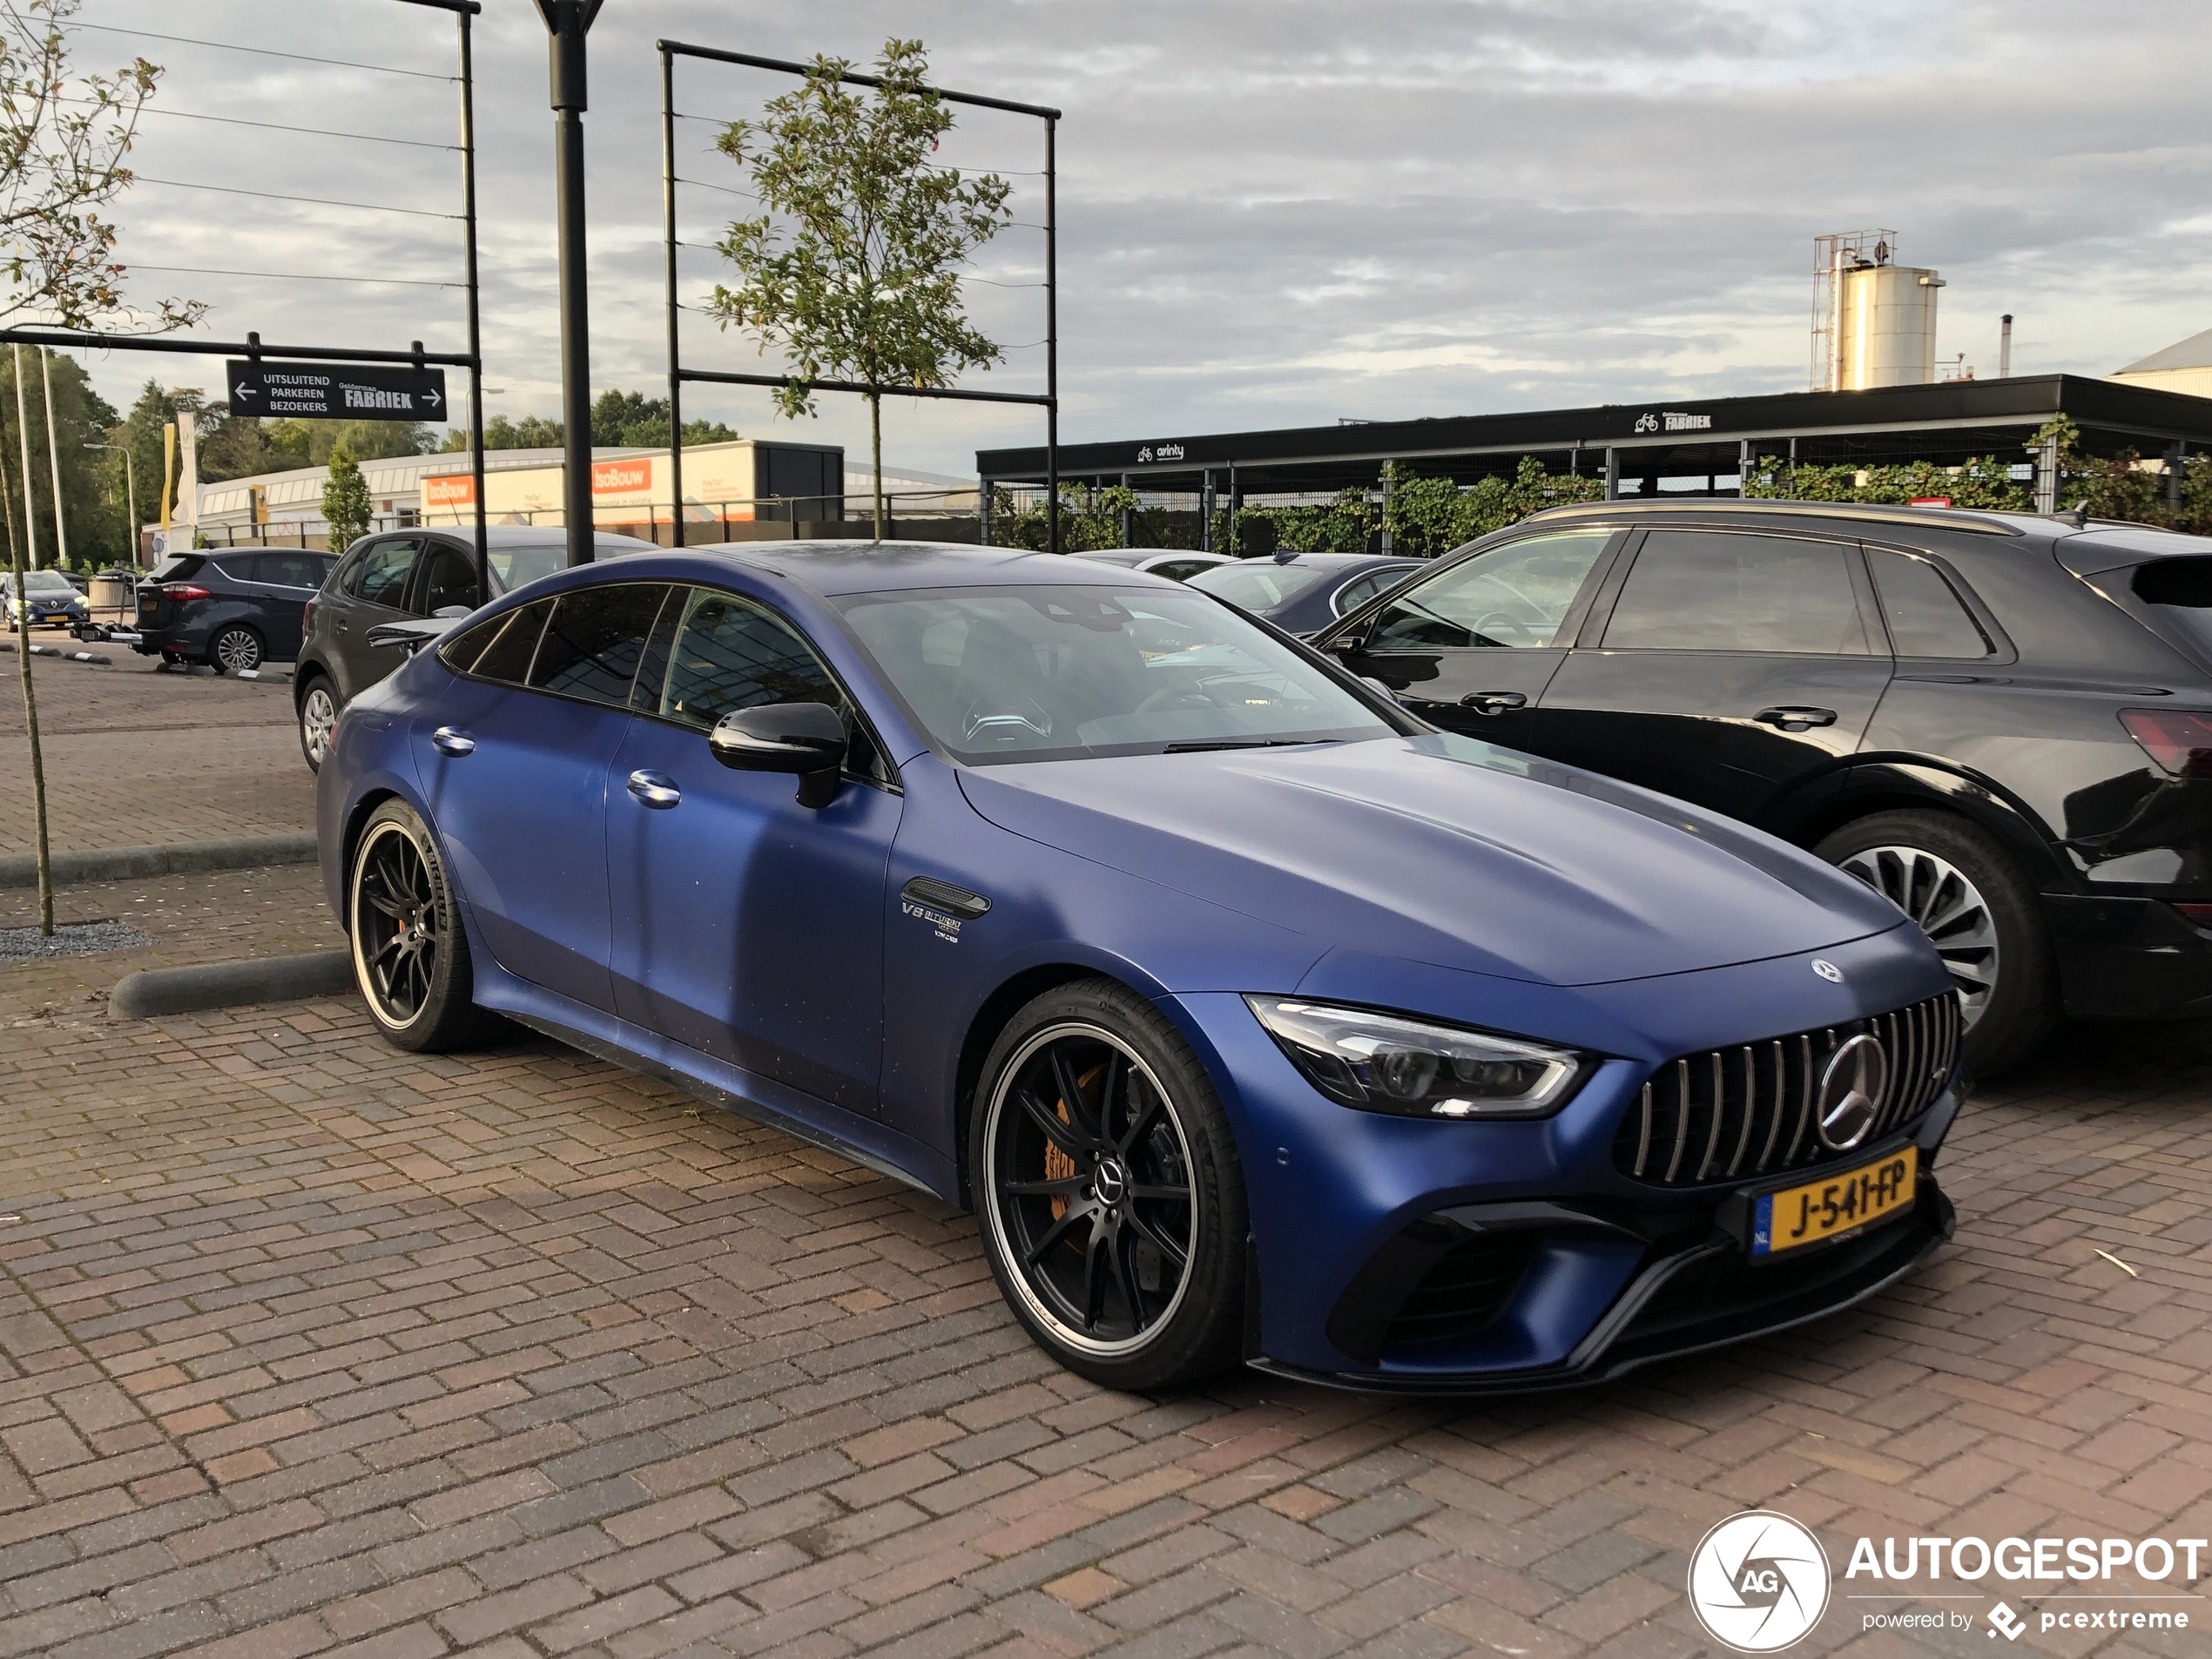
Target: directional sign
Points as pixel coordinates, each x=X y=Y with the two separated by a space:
x=343 y=392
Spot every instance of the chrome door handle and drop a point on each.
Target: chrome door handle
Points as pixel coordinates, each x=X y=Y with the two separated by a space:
x=655 y=789
x=1493 y=702
x=452 y=740
x=1791 y=717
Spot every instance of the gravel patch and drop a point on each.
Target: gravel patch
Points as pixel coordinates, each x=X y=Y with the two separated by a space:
x=78 y=938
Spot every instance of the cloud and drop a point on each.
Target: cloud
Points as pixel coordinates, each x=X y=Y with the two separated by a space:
x=1272 y=214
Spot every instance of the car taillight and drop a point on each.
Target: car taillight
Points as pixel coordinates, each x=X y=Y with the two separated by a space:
x=2199 y=913
x=2179 y=741
x=184 y=590
x=307 y=619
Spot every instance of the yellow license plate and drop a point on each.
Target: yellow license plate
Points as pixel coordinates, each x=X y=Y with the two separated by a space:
x=1835 y=1204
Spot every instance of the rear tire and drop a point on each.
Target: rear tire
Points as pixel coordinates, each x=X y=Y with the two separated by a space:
x=410 y=953
x=1979 y=910
x=318 y=719
x=1116 y=1229
x=235 y=651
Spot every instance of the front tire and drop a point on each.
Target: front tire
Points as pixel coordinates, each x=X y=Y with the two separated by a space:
x=1108 y=1190
x=410 y=954
x=318 y=719
x=1979 y=909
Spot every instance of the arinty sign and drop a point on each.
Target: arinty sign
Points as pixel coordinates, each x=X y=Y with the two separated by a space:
x=349 y=392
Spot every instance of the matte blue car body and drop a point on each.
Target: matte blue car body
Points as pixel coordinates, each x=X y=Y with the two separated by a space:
x=1425 y=873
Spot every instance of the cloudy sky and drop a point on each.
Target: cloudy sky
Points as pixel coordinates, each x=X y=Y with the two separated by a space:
x=1273 y=212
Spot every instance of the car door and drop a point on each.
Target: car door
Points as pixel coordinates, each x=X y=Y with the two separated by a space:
x=514 y=766
x=747 y=926
x=1473 y=646
x=283 y=583
x=371 y=588
x=1730 y=668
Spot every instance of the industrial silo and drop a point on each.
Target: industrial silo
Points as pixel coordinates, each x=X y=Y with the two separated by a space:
x=1874 y=320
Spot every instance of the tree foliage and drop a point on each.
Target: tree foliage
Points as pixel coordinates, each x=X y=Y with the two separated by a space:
x=64 y=138
x=92 y=493
x=345 y=500
x=852 y=269
x=1985 y=482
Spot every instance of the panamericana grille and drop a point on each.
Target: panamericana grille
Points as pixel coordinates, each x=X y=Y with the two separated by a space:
x=1728 y=1114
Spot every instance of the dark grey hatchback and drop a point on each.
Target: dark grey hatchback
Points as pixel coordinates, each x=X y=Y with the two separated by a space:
x=403 y=574
x=2001 y=722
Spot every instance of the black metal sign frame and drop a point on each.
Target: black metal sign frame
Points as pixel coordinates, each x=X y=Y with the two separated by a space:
x=678 y=374
x=254 y=351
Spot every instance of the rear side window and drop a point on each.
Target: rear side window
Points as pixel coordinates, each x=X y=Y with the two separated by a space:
x=1927 y=617
x=290 y=570
x=500 y=648
x=2184 y=582
x=381 y=576
x=593 y=643
x=1717 y=591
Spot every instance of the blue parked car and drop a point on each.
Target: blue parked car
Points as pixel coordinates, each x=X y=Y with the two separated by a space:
x=1256 y=1019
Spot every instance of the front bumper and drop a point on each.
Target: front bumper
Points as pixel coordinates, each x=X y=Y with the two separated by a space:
x=2122 y=958
x=1687 y=1300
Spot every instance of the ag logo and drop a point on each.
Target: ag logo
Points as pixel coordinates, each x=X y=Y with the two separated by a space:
x=1758 y=1582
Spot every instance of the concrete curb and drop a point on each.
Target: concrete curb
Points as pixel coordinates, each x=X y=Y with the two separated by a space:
x=222 y=985
x=173 y=858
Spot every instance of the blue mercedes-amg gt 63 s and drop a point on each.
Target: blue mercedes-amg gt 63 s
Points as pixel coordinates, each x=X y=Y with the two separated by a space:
x=1256 y=1019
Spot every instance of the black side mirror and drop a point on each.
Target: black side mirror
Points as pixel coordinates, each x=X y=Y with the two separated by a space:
x=807 y=738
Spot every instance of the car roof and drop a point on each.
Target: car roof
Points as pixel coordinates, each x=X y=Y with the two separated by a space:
x=1334 y=561
x=535 y=535
x=836 y=568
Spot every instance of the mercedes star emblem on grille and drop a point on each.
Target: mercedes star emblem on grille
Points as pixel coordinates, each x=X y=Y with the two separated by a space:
x=1852 y=1087
x=1828 y=970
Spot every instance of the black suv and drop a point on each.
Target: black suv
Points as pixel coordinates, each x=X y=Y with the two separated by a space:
x=2002 y=722
x=236 y=608
x=391 y=577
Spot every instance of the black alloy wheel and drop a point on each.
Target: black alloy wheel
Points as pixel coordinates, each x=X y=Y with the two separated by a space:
x=1112 y=1209
x=235 y=651
x=410 y=957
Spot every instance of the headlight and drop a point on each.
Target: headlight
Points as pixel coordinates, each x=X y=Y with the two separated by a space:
x=1385 y=1063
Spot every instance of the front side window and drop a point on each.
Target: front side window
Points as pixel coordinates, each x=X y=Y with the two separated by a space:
x=1716 y=590
x=449 y=578
x=1926 y=618
x=1055 y=673
x=728 y=653
x=594 y=641
x=381 y=576
x=1515 y=595
x=289 y=569
x=500 y=648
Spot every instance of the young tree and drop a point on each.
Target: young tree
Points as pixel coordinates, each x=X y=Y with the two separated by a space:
x=860 y=280
x=345 y=500
x=63 y=140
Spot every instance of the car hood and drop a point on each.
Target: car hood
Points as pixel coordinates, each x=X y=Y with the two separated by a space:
x=1443 y=850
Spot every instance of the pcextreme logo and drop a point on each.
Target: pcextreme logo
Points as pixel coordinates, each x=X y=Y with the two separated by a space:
x=1758 y=1582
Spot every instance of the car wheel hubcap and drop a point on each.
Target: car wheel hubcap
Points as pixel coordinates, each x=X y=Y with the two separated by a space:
x=1950 y=909
x=395 y=925
x=236 y=650
x=1090 y=1198
x=316 y=718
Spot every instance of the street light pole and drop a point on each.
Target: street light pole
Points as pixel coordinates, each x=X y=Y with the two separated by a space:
x=566 y=22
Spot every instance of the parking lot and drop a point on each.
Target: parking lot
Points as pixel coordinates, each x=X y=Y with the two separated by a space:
x=136 y=755
x=316 y=1347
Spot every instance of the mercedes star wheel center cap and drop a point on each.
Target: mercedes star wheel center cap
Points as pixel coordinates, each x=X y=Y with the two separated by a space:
x=1109 y=1183
x=1852 y=1087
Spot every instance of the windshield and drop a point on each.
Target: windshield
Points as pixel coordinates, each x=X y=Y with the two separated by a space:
x=512 y=566
x=1006 y=674
x=46 y=582
x=1259 y=587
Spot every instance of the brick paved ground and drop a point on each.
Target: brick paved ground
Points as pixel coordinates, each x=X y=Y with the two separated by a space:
x=135 y=757
x=312 y=1348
